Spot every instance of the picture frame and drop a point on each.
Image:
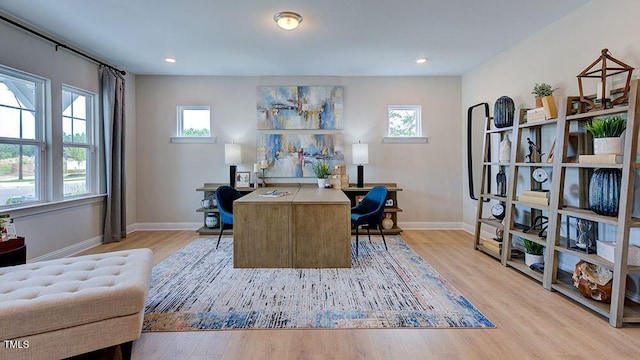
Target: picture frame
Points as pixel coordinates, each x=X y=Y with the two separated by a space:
x=243 y=179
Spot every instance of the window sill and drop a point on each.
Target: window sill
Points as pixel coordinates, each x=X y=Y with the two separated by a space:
x=192 y=140
x=405 y=140
x=41 y=208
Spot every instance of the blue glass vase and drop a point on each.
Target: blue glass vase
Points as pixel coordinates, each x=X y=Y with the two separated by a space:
x=604 y=191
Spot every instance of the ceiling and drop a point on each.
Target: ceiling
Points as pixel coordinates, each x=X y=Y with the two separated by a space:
x=336 y=37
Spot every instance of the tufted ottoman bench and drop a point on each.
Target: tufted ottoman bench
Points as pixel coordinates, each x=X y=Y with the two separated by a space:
x=60 y=308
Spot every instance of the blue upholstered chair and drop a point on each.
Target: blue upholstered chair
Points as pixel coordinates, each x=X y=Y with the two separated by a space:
x=225 y=196
x=370 y=212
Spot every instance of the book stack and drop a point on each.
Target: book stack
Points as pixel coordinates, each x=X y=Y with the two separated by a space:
x=538 y=197
x=493 y=246
x=600 y=159
x=536 y=115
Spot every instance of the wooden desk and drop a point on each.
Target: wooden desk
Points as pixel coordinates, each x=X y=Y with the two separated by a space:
x=308 y=228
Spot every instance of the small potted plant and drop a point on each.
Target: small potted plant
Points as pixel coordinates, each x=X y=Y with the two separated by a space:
x=606 y=133
x=544 y=98
x=533 y=252
x=322 y=171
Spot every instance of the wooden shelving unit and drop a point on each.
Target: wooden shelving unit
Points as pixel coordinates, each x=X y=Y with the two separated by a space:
x=486 y=196
x=209 y=190
x=620 y=310
x=353 y=192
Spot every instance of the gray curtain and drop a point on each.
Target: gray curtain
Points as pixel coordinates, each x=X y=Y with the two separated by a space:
x=112 y=118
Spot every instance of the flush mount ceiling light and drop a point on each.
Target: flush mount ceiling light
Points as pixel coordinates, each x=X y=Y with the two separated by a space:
x=170 y=60
x=287 y=20
x=421 y=60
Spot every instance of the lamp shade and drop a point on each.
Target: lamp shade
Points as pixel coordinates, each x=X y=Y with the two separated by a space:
x=232 y=154
x=360 y=153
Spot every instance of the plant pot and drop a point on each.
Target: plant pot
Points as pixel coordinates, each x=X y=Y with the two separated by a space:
x=610 y=145
x=531 y=259
x=538 y=102
x=604 y=191
x=322 y=183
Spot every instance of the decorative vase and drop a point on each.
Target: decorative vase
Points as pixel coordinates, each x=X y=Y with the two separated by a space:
x=505 y=150
x=322 y=183
x=387 y=223
x=531 y=259
x=211 y=221
x=610 y=145
x=604 y=191
x=503 y=111
x=549 y=104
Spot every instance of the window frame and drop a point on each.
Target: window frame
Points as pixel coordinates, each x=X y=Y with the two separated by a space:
x=180 y=137
x=41 y=88
x=91 y=126
x=418 y=138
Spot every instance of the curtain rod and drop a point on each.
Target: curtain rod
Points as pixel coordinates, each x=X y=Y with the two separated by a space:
x=59 y=44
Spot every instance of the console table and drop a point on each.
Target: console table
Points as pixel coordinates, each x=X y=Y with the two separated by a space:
x=307 y=228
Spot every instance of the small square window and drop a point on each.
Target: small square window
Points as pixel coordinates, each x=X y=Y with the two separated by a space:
x=194 y=121
x=404 y=121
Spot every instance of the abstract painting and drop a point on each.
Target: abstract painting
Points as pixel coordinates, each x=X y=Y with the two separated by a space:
x=300 y=107
x=293 y=155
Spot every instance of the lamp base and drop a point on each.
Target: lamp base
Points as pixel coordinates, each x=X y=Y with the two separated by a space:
x=232 y=176
x=360 y=176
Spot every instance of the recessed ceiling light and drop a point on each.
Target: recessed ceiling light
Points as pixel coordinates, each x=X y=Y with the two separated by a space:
x=421 y=60
x=287 y=20
x=170 y=60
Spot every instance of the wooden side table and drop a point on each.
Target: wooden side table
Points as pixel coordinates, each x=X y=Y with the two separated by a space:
x=13 y=252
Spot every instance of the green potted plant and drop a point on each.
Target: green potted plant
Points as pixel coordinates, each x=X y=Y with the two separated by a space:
x=606 y=133
x=322 y=171
x=544 y=98
x=533 y=252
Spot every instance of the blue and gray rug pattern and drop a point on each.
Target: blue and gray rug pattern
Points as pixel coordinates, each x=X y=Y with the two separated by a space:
x=197 y=288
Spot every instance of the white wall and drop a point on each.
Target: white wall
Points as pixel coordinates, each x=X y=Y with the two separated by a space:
x=55 y=231
x=167 y=174
x=555 y=55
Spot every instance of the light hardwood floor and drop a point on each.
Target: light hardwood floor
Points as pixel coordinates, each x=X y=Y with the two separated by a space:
x=531 y=323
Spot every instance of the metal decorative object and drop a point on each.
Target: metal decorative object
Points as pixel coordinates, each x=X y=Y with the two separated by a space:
x=503 y=112
x=501 y=180
x=533 y=148
x=599 y=69
x=604 y=191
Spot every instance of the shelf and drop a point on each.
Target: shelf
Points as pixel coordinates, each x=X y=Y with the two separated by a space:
x=207 y=210
x=529 y=236
x=533 y=206
x=500 y=130
x=494 y=197
x=592 y=114
x=591 y=258
x=519 y=265
x=588 y=215
x=564 y=285
x=525 y=164
x=488 y=252
x=497 y=163
x=539 y=123
x=492 y=222
x=591 y=166
x=216 y=231
x=392 y=209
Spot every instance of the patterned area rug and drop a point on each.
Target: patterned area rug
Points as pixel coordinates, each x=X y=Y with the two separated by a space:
x=197 y=288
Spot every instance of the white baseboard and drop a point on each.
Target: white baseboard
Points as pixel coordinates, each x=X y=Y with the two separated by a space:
x=484 y=234
x=70 y=250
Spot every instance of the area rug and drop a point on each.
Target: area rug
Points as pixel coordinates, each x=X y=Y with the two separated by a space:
x=197 y=288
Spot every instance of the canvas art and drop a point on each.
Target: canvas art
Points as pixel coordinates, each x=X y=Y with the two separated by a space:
x=300 y=107
x=293 y=155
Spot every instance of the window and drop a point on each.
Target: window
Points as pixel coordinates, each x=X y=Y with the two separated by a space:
x=194 y=121
x=404 y=121
x=77 y=141
x=21 y=137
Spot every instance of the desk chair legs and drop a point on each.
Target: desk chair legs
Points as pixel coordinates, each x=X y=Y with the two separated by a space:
x=220 y=235
x=369 y=235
